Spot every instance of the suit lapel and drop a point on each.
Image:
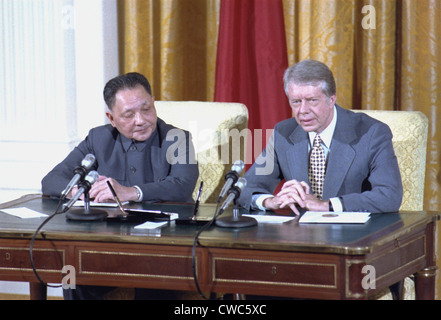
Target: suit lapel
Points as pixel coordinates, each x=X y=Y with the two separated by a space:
x=297 y=155
x=339 y=162
x=341 y=154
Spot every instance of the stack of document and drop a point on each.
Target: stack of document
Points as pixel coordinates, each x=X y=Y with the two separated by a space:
x=334 y=217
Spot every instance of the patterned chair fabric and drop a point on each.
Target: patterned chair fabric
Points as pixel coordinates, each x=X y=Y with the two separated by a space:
x=219 y=133
x=409 y=129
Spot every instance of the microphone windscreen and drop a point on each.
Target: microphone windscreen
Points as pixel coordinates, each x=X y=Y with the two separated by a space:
x=92 y=177
x=241 y=183
x=88 y=161
x=238 y=166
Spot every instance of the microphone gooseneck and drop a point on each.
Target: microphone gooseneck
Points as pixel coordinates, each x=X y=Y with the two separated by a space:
x=80 y=173
x=231 y=178
x=84 y=187
x=233 y=194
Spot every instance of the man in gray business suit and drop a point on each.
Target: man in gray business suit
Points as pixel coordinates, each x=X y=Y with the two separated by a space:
x=143 y=158
x=362 y=171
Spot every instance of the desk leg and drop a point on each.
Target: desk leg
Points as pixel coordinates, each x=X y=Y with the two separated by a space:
x=239 y=296
x=37 y=291
x=425 y=284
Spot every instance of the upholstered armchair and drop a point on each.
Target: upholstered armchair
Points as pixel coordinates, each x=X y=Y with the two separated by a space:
x=409 y=129
x=219 y=132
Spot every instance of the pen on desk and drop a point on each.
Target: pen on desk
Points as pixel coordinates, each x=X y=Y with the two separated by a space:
x=198 y=200
x=116 y=198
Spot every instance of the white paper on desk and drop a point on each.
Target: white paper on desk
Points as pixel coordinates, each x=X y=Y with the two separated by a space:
x=80 y=203
x=151 y=225
x=24 y=213
x=334 y=217
x=269 y=218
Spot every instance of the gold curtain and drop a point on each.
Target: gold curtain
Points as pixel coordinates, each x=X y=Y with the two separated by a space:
x=173 y=43
x=386 y=58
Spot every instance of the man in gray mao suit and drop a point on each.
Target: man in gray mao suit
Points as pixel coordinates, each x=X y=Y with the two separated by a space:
x=362 y=172
x=143 y=158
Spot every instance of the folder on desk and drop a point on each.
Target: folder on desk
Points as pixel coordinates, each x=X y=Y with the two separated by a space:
x=334 y=217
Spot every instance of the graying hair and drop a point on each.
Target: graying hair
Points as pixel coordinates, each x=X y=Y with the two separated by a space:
x=310 y=72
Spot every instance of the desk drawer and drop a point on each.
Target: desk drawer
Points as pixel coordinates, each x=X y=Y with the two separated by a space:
x=45 y=259
x=279 y=271
x=123 y=263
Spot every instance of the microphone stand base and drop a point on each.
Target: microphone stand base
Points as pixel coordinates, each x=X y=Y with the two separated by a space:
x=83 y=215
x=236 y=222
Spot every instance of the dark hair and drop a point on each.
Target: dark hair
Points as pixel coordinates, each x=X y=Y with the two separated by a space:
x=311 y=72
x=126 y=81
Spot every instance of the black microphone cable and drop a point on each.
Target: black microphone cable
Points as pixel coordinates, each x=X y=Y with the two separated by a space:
x=86 y=163
x=195 y=243
x=60 y=202
x=234 y=190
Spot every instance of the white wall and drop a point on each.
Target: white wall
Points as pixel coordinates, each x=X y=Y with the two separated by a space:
x=55 y=58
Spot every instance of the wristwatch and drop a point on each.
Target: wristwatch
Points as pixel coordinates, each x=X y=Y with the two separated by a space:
x=138 y=192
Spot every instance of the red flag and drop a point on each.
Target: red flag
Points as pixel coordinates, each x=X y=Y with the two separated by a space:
x=251 y=60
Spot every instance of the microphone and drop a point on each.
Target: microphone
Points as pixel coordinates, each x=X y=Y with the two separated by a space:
x=231 y=178
x=236 y=220
x=80 y=173
x=233 y=194
x=84 y=188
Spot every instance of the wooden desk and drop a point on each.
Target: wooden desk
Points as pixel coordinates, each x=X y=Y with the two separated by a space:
x=291 y=260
